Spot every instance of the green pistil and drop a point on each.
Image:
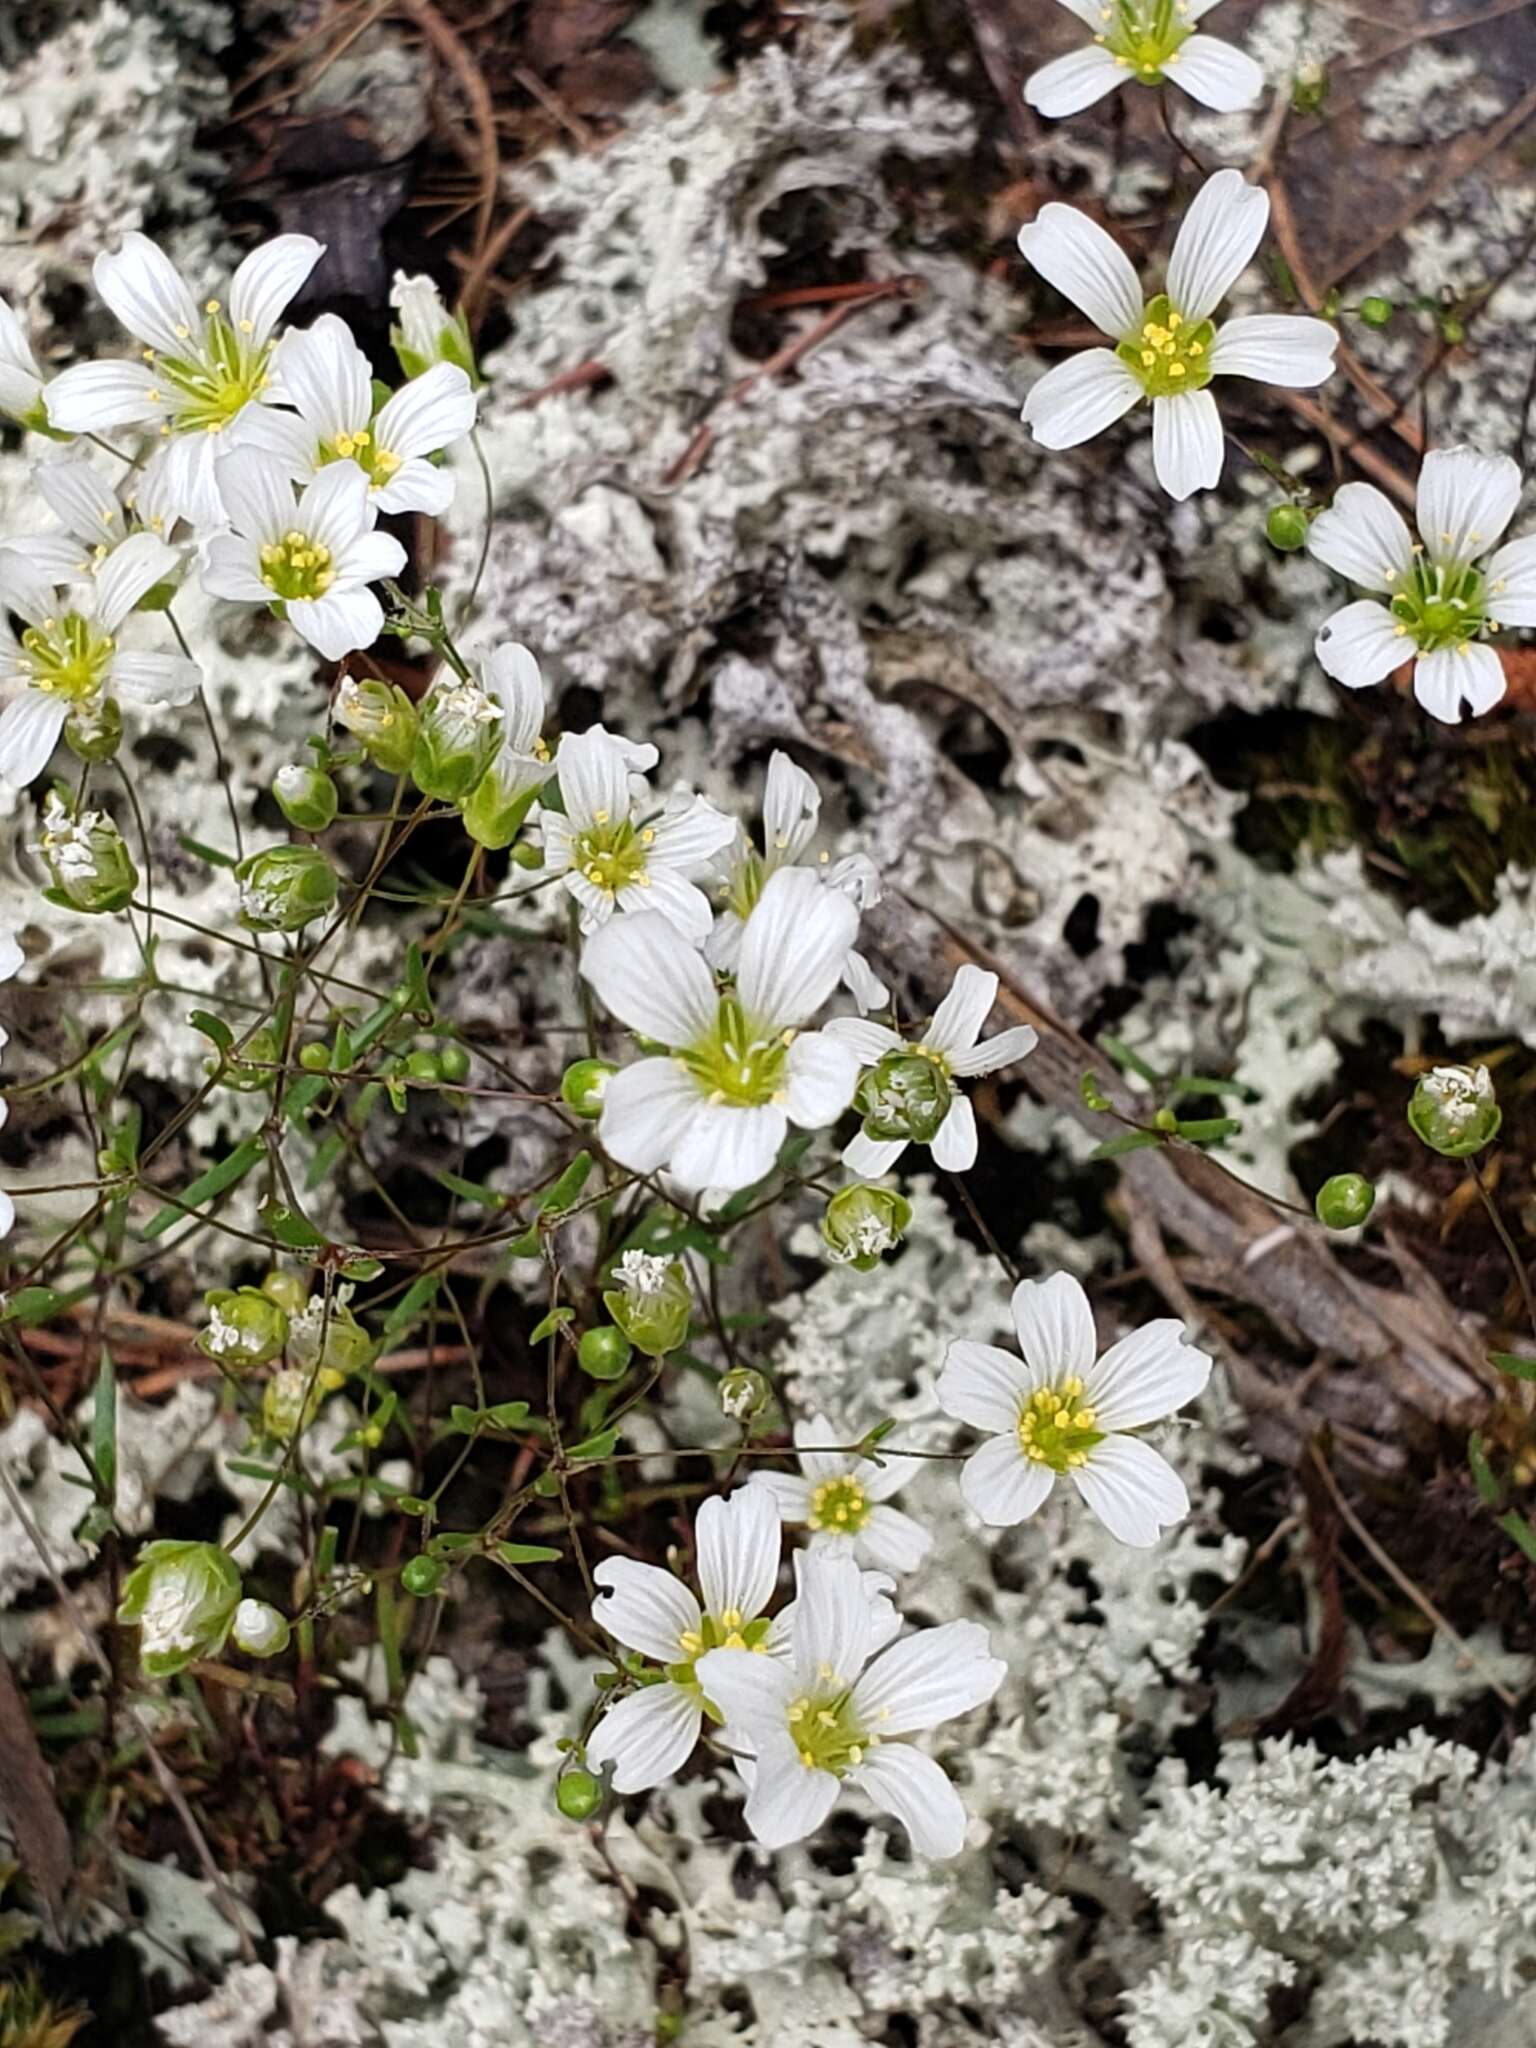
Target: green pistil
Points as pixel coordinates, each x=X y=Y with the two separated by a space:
x=612 y=854
x=733 y=1066
x=1056 y=1429
x=1440 y=605
x=222 y=372
x=67 y=657
x=1145 y=35
x=839 y=1505
x=296 y=567
x=378 y=464
x=827 y=1735
x=1169 y=354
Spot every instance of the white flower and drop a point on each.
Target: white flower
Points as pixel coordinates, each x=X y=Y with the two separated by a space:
x=791 y=808
x=326 y=377
x=21 y=381
x=650 y=1734
x=716 y=1108
x=202 y=371
x=1148 y=40
x=93 y=521
x=831 y=1714
x=68 y=660
x=509 y=676
x=1169 y=350
x=11 y=960
x=841 y=1499
x=315 y=559
x=1058 y=1411
x=615 y=848
x=1443 y=592
x=908 y=1093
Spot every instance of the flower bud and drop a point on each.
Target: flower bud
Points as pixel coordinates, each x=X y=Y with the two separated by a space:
x=94 y=730
x=578 y=1794
x=1345 y=1200
x=287 y=1290
x=245 y=1328
x=306 y=795
x=381 y=718
x=426 y=332
x=284 y=888
x=457 y=734
x=260 y=1630
x=290 y=1403
x=91 y=867
x=182 y=1599
x=453 y=1061
x=1286 y=527
x=651 y=1302
x=604 y=1352
x=744 y=1393
x=1309 y=88
x=1454 y=1110
x=863 y=1222
x=1376 y=312
x=421 y=1576
x=584 y=1084
x=907 y=1095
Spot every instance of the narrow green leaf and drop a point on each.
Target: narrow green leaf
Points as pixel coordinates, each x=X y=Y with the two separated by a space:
x=602 y=1445
x=292 y=1230
x=1206 y=1130
x=1128 y=1141
x=199 y=851
x=1127 y=1061
x=104 y=1428
x=527 y=1553
x=508 y=1414
x=417 y=1298
x=472 y=1191
x=327 y=1152
x=1511 y=1362
x=301 y=1094
x=1519 y=1529
x=1482 y=1472
x=362 y=1268
x=212 y=1027
x=568 y=1187
x=229 y=1170
x=29 y=1305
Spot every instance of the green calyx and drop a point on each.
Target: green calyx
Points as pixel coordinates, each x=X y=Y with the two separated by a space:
x=67 y=657
x=1169 y=354
x=1440 y=604
x=907 y=1095
x=731 y=1065
x=1144 y=35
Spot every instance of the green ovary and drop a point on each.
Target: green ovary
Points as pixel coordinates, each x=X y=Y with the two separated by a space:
x=218 y=378
x=1169 y=354
x=827 y=1735
x=839 y=1506
x=1056 y=1429
x=732 y=1065
x=727 y=1631
x=1144 y=35
x=296 y=567
x=612 y=854
x=67 y=657
x=1440 y=605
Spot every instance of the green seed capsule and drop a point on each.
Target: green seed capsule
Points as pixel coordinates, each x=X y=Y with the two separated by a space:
x=578 y=1794
x=1376 y=312
x=1286 y=527
x=1345 y=1200
x=422 y=1577
x=315 y=1057
x=424 y=1066
x=582 y=1085
x=453 y=1063
x=604 y=1353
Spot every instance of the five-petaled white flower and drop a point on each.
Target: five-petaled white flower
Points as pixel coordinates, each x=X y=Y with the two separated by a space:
x=908 y=1095
x=830 y=1714
x=68 y=661
x=616 y=847
x=1063 y=1410
x=315 y=558
x=740 y=1068
x=1443 y=592
x=328 y=380
x=21 y=381
x=651 y=1733
x=1149 y=41
x=841 y=1498
x=93 y=520
x=203 y=371
x=791 y=809
x=1166 y=351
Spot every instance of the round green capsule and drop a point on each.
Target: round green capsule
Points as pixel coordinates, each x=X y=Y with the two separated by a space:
x=1376 y=312
x=1286 y=527
x=315 y=1057
x=578 y=1794
x=1345 y=1200
x=422 y=1577
x=453 y=1062
x=424 y=1066
x=604 y=1352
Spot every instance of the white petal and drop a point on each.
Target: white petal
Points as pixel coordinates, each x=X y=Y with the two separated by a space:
x=648 y=975
x=1068 y=84
x=229 y=571
x=1465 y=501
x=644 y=1608
x=80 y=498
x=29 y=731
x=814 y=1437
x=1361 y=644
x=820 y=1076
x=871 y=1158
x=647 y=1109
x=594 y=777
x=1289 y=349
x=511 y=675
x=180 y=477
x=155 y=679
x=1215 y=242
x=954 y=1144
x=789 y=1492
x=1187 y=444
x=416 y=486
x=257 y=491
x=334 y=508
x=958 y=1020
x=727 y=1146
x=868 y=1042
x=647 y=1737
x=894 y=1540
x=738 y=1542
x=1055 y=1326
x=664 y=892
x=1145 y=1376
x=982 y=1385
x=15 y=349
x=1362 y=537
x=128 y=573
x=24 y=589
x=788 y=1800
x=1134 y=1491
x=325 y=375
x=368 y=559
x=1474 y=673
x=832 y=1620
x=264 y=284
x=1003 y=1486
x=147 y=293
x=1086 y=265
x=752 y=1691
x=285 y=435
x=12 y=958
x=1016 y=1043
x=791 y=808
x=792 y=953
x=429 y=413
x=1080 y=398
x=1216 y=74
x=689 y=831
x=57 y=557
x=911 y=1786
x=927 y=1678
x=1087 y=11
x=863 y=984
x=95 y=397
x=338 y=623
x=1512 y=583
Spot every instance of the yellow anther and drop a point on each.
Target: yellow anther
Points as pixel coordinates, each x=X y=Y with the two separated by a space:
x=210 y=305
x=1176 y=369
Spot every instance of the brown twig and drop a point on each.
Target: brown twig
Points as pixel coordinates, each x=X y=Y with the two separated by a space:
x=1353 y=444
x=482 y=111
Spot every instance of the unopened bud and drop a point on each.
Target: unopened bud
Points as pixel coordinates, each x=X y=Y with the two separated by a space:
x=604 y=1352
x=245 y=1328
x=862 y=1223
x=305 y=795
x=651 y=1302
x=260 y=1630
x=1345 y=1200
x=91 y=868
x=1309 y=88
x=284 y=888
x=1286 y=527
x=578 y=1794
x=286 y=1289
x=584 y=1084
x=182 y=1599
x=904 y=1096
x=426 y=332
x=457 y=734
x=1454 y=1110
x=1376 y=312
x=381 y=718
